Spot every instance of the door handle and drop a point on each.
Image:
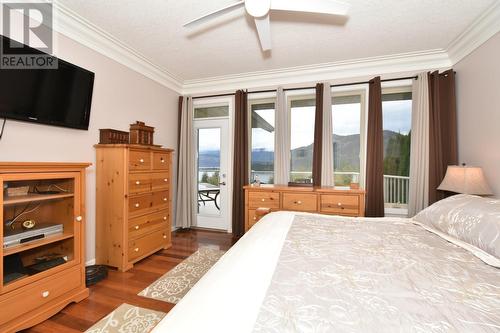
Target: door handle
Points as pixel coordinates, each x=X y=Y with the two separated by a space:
x=223 y=183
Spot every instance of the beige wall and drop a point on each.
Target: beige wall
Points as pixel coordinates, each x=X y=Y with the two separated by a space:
x=121 y=96
x=478 y=102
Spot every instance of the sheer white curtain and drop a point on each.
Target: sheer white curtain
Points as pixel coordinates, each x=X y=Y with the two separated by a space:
x=185 y=212
x=281 y=140
x=419 y=155
x=327 y=175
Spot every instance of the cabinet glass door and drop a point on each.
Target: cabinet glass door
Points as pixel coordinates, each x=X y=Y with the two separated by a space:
x=41 y=229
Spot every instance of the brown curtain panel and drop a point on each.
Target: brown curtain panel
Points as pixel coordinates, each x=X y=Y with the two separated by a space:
x=240 y=170
x=443 y=142
x=375 y=152
x=179 y=119
x=318 y=136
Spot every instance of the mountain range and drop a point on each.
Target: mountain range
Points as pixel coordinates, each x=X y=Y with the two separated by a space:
x=346 y=154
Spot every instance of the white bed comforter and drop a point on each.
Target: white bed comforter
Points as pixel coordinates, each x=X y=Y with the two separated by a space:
x=341 y=275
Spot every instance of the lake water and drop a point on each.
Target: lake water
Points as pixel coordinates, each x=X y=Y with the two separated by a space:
x=263 y=176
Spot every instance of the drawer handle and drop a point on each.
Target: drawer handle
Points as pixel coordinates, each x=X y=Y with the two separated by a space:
x=164 y=236
x=165 y=199
x=141 y=160
x=45 y=294
x=164 y=218
x=298 y=202
x=255 y=218
x=136 y=205
x=136 y=249
x=137 y=182
x=263 y=199
x=162 y=160
x=165 y=180
x=79 y=219
x=339 y=204
x=136 y=227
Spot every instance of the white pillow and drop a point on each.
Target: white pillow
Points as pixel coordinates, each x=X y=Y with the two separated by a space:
x=469 y=218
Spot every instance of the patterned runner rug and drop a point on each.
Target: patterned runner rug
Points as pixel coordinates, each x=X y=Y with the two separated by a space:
x=128 y=319
x=172 y=286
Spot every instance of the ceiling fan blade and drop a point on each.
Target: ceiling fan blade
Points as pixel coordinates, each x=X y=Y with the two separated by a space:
x=331 y=7
x=215 y=13
x=264 y=30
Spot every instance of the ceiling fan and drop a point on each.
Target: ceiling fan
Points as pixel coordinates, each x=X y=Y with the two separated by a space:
x=259 y=10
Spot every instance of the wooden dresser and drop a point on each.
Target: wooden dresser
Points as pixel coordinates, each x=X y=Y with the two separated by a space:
x=324 y=200
x=40 y=275
x=133 y=213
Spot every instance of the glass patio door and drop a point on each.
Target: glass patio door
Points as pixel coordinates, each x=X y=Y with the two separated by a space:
x=212 y=160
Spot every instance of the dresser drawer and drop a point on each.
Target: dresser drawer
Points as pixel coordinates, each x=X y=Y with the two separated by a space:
x=160 y=181
x=161 y=161
x=302 y=202
x=253 y=217
x=263 y=199
x=160 y=199
x=138 y=183
x=147 y=223
x=340 y=204
x=139 y=160
x=38 y=294
x=140 y=203
x=147 y=244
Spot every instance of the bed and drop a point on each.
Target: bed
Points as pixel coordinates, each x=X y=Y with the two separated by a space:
x=298 y=272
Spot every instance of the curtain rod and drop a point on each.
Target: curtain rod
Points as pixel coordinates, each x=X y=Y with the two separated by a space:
x=304 y=88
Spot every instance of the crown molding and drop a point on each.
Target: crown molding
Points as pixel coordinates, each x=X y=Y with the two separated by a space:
x=482 y=29
x=81 y=30
x=382 y=65
x=74 y=26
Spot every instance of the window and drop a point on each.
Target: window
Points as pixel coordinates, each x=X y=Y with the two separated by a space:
x=211 y=111
x=302 y=114
x=396 y=112
x=346 y=118
x=262 y=121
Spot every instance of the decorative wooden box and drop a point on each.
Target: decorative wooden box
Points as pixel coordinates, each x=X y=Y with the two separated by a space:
x=112 y=136
x=141 y=134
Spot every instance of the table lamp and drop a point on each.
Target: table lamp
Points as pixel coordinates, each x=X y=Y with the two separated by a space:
x=465 y=179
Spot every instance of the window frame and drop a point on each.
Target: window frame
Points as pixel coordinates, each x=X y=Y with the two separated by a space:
x=395 y=87
x=294 y=95
x=362 y=91
x=260 y=98
x=213 y=102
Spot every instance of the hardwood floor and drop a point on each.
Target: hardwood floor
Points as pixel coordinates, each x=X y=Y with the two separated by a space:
x=121 y=288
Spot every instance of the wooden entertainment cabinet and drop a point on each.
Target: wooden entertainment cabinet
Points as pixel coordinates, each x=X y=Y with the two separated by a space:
x=54 y=194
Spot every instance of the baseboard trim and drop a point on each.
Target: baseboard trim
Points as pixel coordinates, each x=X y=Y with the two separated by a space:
x=90 y=262
x=210 y=229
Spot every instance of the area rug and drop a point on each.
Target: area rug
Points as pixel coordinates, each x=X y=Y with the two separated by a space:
x=172 y=286
x=128 y=319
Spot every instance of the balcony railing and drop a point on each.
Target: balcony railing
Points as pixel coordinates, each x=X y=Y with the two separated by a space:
x=396 y=188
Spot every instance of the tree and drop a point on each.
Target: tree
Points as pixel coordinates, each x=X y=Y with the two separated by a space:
x=397 y=155
x=204 y=178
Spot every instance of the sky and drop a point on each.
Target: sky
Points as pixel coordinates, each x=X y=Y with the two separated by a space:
x=346 y=121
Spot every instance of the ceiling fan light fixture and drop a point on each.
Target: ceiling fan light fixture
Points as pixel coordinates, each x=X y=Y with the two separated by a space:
x=258 y=8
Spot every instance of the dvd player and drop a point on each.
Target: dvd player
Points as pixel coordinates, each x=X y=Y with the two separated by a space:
x=19 y=236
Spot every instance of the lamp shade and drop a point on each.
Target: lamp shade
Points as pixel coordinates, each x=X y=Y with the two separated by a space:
x=465 y=179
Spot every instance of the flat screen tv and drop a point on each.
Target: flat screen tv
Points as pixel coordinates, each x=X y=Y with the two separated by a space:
x=59 y=97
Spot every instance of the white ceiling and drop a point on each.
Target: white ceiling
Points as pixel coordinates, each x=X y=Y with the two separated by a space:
x=229 y=44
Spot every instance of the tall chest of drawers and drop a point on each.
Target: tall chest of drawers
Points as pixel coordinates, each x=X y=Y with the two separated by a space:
x=133 y=208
